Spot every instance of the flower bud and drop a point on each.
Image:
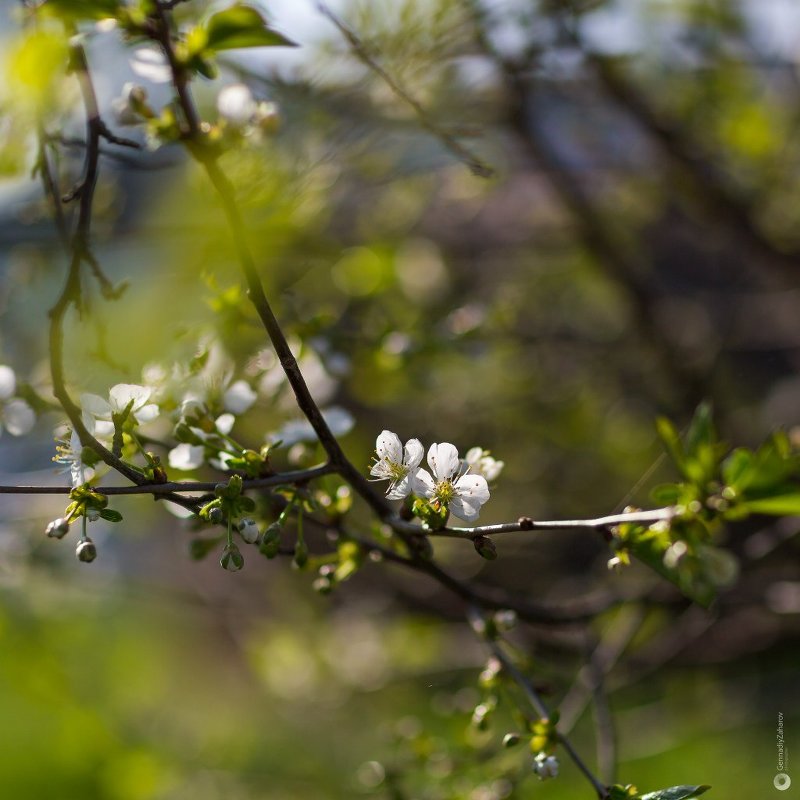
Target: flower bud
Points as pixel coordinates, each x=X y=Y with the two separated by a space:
x=300 y=554
x=271 y=541
x=86 y=551
x=545 y=766
x=57 y=529
x=511 y=740
x=485 y=548
x=231 y=560
x=323 y=585
x=248 y=530
x=505 y=619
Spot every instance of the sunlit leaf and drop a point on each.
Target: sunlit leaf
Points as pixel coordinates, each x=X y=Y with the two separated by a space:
x=241 y=26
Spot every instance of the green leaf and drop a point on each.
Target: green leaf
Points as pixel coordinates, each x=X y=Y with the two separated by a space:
x=676 y=793
x=241 y=26
x=779 y=505
x=76 y=10
x=667 y=494
x=111 y=515
x=668 y=434
x=701 y=430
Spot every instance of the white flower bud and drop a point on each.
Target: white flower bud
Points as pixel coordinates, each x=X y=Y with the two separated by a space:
x=248 y=530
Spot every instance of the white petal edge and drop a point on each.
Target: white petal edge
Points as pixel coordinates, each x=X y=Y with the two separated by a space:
x=120 y=395
x=413 y=453
x=422 y=483
x=96 y=406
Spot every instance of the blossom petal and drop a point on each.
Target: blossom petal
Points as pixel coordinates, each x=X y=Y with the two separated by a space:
x=413 y=453
x=236 y=103
x=472 y=489
x=401 y=488
x=103 y=429
x=388 y=447
x=151 y=64
x=96 y=406
x=465 y=509
x=443 y=460
x=474 y=455
x=239 y=397
x=186 y=456
x=8 y=382
x=122 y=394
x=19 y=417
x=423 y=484
x=147 y=413
x=224 y=423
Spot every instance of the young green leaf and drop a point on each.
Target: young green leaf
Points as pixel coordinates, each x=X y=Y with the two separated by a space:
x=241 y=26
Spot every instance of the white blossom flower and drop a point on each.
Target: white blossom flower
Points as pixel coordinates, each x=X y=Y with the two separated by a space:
x=396 y=463
x=545 y=766
x=340 y=421
x=186 y=456
x=128 y=106
x=450 y=486
x=236 y=104
x=18 y=417
x=97 y=411
x=238 y=397
x=69 y=454
x=480 y=462
x=151 y=64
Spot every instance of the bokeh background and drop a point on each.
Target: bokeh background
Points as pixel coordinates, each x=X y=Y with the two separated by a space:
x=635 y=252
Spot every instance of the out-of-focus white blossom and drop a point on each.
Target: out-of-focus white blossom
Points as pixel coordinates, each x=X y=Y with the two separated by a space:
x=16 y=416
x=480 y=462
x=339 y=420
x=186 y=456
x=151 y=64
x=97 y=410
x=545 y=766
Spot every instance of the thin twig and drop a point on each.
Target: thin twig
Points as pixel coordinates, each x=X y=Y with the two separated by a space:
x=532 y=696
x=281 y=479
x=527 y=524
x=476 y=165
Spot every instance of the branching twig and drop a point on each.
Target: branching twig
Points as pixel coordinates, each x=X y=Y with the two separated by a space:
x=361 y=52
x=532 y=696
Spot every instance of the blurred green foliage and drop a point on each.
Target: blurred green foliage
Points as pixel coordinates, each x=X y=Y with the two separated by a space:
x=604 y=277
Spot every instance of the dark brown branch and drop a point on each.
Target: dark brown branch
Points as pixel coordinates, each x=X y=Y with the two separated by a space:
x=158 y=489
x=255 y=290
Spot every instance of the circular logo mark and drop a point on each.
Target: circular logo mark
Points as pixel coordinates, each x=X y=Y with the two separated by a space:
x=782 y=781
